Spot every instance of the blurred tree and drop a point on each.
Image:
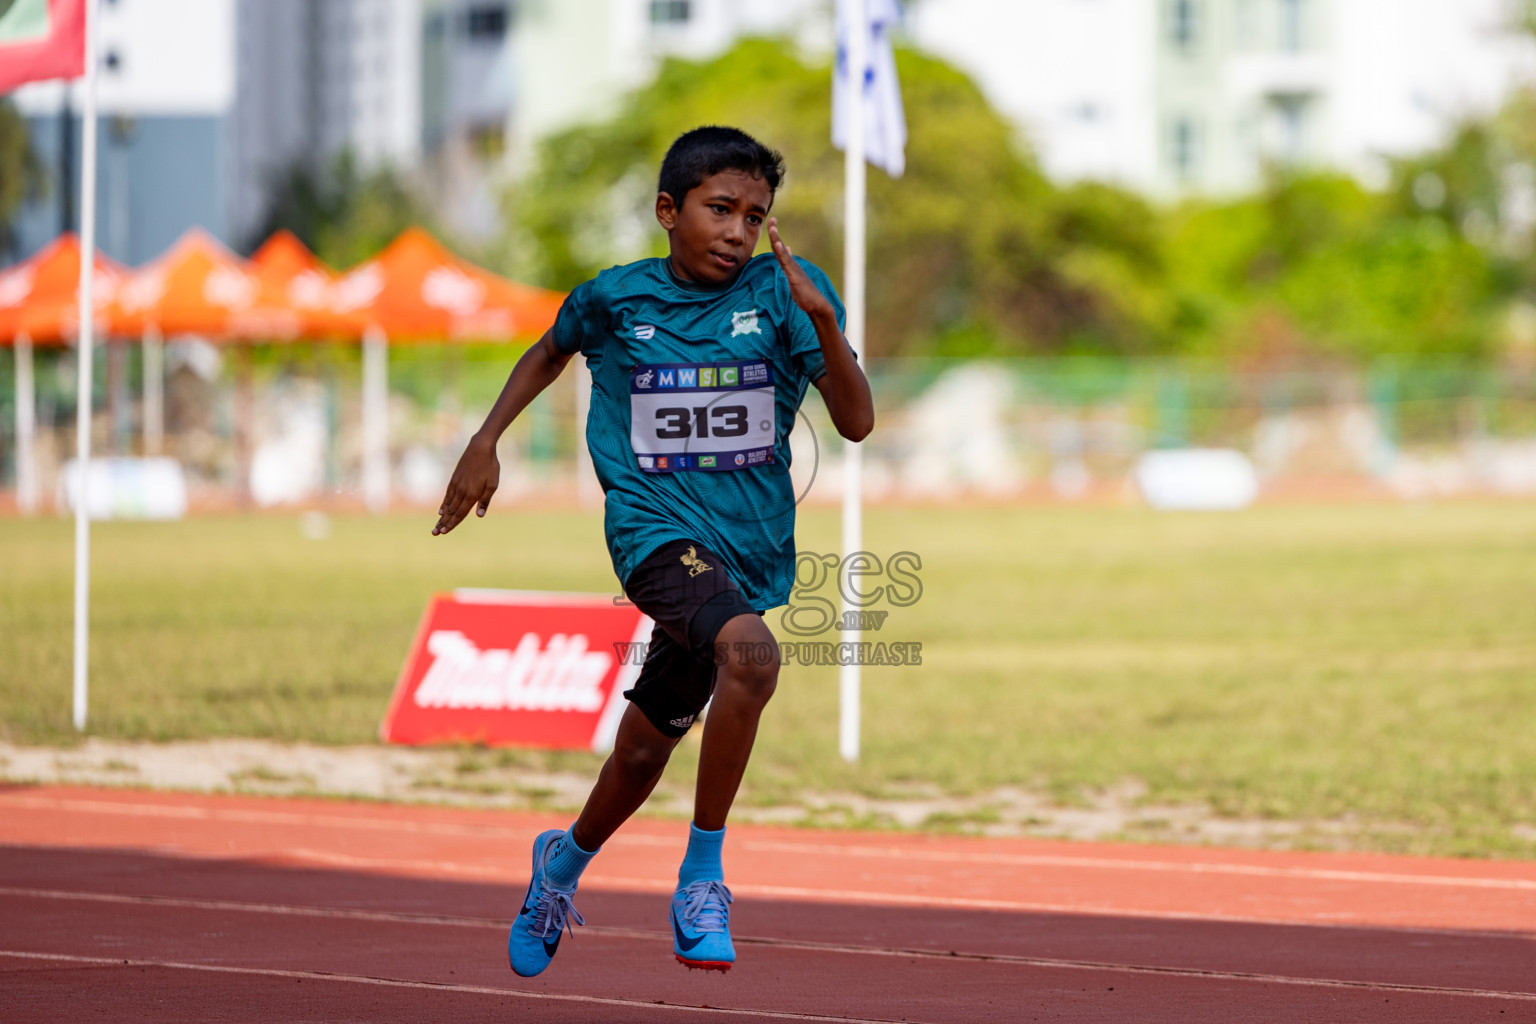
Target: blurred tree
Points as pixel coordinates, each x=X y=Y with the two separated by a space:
x=973 y=251
x=1478 y=189
x=22 y=176
x=344 y=215
x=1316 y=265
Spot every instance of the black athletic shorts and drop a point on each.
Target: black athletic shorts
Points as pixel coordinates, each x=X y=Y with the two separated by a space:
x=682 y=585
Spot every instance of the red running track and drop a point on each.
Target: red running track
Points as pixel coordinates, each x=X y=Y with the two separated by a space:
x=149 y=906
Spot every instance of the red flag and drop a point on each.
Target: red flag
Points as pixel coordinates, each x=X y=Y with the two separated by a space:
x=41 y=39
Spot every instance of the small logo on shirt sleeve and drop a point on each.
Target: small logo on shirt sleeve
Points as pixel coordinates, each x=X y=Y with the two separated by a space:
x=645 y=332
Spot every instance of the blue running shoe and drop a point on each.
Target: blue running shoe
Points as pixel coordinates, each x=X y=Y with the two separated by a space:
x=546 y=912
x=701 y=926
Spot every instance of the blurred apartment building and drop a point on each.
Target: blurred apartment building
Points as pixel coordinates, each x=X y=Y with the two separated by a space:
x=1167 y=97
x=575 y=59
x=166 y=88
x=314 y=78
x=1164 y=96
x=499 y=75
x=206 y=102
x=1177 y=96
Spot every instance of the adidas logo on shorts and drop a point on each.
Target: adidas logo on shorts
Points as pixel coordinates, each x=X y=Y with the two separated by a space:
x=681 y=723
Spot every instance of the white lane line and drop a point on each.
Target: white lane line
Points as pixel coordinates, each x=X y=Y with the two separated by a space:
x=287 y=909
x=432 y=986
x=596 y=879
x=782 y=846
x=950 y=956
x=1114 y=863
x=133 y=810
x=1176 y=972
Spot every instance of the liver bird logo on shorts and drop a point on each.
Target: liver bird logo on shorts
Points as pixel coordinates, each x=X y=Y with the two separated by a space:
x=695 y=564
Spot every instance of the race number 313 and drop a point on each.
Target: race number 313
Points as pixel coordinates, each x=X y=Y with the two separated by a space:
x=701 y=421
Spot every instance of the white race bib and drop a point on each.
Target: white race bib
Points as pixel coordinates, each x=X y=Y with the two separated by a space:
x=709 y=416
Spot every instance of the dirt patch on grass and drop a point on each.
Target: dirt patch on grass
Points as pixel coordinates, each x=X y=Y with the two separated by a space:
x=476 y=777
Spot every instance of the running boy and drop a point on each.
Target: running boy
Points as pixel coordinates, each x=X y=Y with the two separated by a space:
x=699 y=364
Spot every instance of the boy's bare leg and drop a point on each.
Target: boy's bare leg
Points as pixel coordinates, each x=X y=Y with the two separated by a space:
x=746 y=681
x=640 y=753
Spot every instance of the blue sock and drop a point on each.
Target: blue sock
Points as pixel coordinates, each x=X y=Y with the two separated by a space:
x=566 y=864
x=702 y=861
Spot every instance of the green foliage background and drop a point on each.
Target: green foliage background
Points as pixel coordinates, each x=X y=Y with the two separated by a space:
x=975 y=252
x=21 y=173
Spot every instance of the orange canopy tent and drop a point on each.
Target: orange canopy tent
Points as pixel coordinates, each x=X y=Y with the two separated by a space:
x=305 y=281
x=200 y=287
x=414 y=290
x=417 y=289
x=40 y=304
x=40 y=297
x=284 y=256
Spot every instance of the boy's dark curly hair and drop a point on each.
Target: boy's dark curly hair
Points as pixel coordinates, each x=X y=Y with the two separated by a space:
x=709 y=150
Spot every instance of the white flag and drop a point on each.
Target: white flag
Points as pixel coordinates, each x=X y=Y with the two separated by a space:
x=885 y=125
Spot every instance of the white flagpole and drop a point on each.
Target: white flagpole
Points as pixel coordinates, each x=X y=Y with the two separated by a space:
x=853 y=296
x=376 y=420
x=83 y=389
x=154 y=390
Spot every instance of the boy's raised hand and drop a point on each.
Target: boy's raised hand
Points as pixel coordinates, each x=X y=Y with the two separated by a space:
x=474 y=481
x=806 y=295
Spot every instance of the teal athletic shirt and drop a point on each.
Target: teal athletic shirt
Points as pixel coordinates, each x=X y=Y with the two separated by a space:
x=694 y=392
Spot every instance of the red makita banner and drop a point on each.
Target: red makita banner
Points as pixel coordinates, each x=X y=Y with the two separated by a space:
x=41 y=39
x=517 y=667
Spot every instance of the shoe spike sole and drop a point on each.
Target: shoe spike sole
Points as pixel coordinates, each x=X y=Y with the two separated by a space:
x=703 y=965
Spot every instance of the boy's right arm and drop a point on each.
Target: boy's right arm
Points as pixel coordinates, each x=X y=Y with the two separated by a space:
x=475 y=477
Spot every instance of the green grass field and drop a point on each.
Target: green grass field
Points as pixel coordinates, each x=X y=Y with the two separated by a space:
x=1367 y=664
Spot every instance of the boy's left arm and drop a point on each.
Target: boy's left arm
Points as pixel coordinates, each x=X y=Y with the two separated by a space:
x=843 y=387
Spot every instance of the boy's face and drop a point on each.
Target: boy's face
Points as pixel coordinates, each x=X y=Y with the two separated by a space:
x=715 y=232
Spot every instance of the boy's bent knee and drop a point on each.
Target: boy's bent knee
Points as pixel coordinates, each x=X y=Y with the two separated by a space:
x=756 y=681
x=748 y=655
